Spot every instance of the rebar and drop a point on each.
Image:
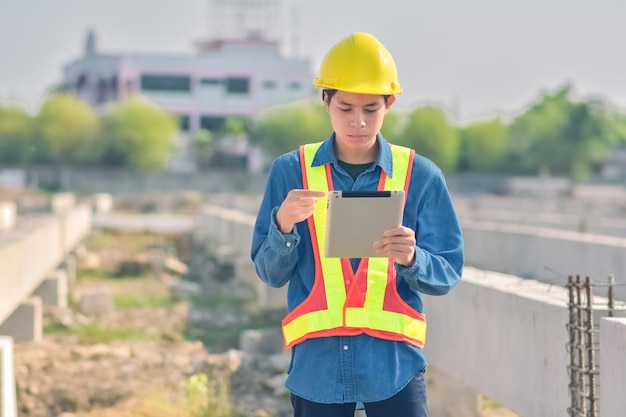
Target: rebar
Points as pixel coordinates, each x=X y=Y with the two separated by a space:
x=590 y=350
x=582 y=346
x=610 y=295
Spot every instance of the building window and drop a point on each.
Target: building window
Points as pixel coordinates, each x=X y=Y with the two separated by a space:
x=210 y=81
x=295 y=85
x=269 y=85
x=183 y=122
x=170 y=83
x=101 y=91
x=238 y=85
x=81 y=82
x=212 y=123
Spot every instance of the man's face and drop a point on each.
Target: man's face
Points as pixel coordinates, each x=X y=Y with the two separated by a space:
x=356 y=120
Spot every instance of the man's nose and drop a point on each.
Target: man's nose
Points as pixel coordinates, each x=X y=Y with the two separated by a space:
x=358 y=121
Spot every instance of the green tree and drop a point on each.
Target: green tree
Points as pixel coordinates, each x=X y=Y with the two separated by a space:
x=483 y=145
x=561 y=135
x=15 y=136
x=67 y=127
x=390 y=127
x=202 y=146
x=137 y=134
x=429 y=132
x=284 y=128
x=235 y=127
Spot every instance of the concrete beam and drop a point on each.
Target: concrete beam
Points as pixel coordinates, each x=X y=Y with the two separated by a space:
x=8 y=401
x=26 y=322
x=612 y=370
x=62 y=202
x=544 y=254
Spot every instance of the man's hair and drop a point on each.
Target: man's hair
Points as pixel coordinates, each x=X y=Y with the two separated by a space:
x=329 y=92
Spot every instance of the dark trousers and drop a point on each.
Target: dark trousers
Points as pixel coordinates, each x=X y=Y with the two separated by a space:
x=409 y=402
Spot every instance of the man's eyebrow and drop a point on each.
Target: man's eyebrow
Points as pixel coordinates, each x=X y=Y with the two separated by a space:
x=373 y=104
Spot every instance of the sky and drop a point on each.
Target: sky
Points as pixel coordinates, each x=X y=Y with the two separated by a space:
x=475 y=58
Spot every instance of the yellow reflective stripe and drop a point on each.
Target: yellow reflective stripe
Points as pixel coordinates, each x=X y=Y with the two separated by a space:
x=376 y=284
x=388 y=321
x=332 y=273
x=312 y=322
x=372 y=315
x=400 y=157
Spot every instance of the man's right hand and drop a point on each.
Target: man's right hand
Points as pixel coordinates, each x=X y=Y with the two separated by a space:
x=297 y=206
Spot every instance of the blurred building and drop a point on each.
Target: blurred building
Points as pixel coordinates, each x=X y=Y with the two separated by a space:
x=227 y=77
x=237 y=70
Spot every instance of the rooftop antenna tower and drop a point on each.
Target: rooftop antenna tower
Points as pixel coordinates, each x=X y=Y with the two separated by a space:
x=241 y=19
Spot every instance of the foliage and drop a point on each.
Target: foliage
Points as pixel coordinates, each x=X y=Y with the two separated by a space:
x=235 y=127
x=203 y=146
x=67 y=128
x=15 y=133
x=390 y=127
x=137 y=134
x=557 y=134
x=483 y=145
x=284 y=128
x=429 y=132
x=561 y=135
x=131 y=301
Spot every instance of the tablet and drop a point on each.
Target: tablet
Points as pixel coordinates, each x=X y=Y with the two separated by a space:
x=356 y=219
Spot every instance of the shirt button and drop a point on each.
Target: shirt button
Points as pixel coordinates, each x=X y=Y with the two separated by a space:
x=345 y=347
x=288 y=244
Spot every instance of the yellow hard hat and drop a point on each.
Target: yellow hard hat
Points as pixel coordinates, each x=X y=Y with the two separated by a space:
x=359 y=63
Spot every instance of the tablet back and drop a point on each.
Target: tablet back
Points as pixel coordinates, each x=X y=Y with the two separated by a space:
x=356 y=219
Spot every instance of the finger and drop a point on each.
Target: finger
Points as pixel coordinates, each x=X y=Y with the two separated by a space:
x=398 y=231
x=301 y=194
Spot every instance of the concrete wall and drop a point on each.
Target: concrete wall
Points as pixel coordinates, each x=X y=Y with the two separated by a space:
x=505 y=337
x=544 y=254
x=599 y=225
x=33 y=250
x=612 y=367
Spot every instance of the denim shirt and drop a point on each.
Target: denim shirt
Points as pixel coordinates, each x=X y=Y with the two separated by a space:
x=346 y=369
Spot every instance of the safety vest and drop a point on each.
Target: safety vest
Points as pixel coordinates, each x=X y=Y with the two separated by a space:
x=344 y=302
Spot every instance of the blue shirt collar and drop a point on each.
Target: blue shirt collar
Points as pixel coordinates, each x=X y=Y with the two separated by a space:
x=326 y=154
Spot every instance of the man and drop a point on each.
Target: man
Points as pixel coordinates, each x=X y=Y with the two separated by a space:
x=355 y=326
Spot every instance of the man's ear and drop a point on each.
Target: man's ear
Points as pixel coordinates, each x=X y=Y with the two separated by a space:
x=326 y=101
x=390 y=100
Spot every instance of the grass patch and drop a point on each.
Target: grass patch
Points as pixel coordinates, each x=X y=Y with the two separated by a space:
x=191 y=401
x=129 y=301
x=95 y=275
x=489 y=404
